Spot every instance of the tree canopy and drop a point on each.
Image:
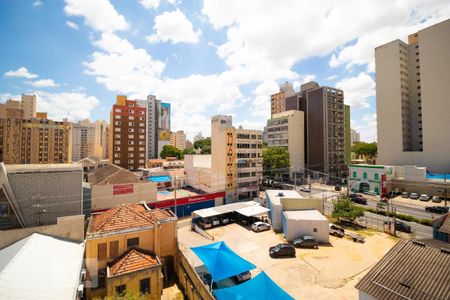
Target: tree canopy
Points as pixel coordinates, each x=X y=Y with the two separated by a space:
x=275 y=158
x=366 y=149
x=204 y=145
x=188 y=150
x=345 y=209
x=171 y=151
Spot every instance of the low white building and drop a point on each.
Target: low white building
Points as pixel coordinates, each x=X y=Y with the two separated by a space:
x=305 y=222
x=273 y=201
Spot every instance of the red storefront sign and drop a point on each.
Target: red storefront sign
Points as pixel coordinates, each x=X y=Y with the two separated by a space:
x=121 y=189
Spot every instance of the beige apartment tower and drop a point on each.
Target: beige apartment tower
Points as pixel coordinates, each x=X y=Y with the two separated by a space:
x=83 y=140
x=277 y=101
x=236 y=158
x=178 y=139
x=287 y=129
x=413 y=99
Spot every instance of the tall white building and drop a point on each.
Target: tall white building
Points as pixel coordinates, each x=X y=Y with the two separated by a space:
x=354 y=136
x=413 y=99
x=83 y=139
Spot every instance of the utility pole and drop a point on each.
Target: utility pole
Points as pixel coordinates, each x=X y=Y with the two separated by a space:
x=445 y=188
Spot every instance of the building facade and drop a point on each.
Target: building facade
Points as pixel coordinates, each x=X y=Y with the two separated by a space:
x=127 y=140
x=412 y=99
x=101 y=139
x=354 y=136
x=83 y=139
x=277 y=101
x=178 y=139
x=236 y=158
x=287 y=130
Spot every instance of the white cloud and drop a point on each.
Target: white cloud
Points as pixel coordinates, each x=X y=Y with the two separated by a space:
x=74 y=106
x=21 y=72
x=98 y=14
x=367 y=127
x=357 y=90
x=332 y=77
x=37 y=3
x=175 y=27
x=43 y=83
x=72 y=25
x=149 y=4
x=261 y=104
x=7 y=96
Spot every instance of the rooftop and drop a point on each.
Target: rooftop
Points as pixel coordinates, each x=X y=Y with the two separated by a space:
x=112 y=174
x=410 y=270
x=40 y=267
x=443 y=223
x=37 y=168
x=310 y=214
x=132 y=260
x=126 y=217
x=276 y=195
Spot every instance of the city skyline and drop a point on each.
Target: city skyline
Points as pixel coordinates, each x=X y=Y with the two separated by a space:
x=203 y=58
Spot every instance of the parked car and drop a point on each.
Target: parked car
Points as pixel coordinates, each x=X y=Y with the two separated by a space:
x=205 y=223
x=225 y=220
x=437 y=209
x=260 y=226
x=282 y=250
x=215 y=221
x=402 y=226
x=305 y=188
x=243 y=276
x=337 y=187
x=405 y=195
x=336 y=231
x=306 y=242
x=354 y=195
x=424 y=197
x=358 y=198
x=207 y=278
x=436 y=199
x=414 y=196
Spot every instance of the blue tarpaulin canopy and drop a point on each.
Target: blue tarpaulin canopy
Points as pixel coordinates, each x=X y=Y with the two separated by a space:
x=260 y=287
x=221 y=261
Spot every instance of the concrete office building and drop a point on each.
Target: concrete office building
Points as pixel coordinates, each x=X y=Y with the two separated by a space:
x=354 y=136
x=34 y=195
x=413 y=92
x=83 y=139
x=236 y=158
x=277 y=101
x=325 y=126
x=178 y=139
x=127 y=141
x=286 y=129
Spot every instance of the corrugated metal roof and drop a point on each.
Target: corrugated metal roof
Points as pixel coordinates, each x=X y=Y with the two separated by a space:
x=113 y=174
x=40 y=267
x=410 y=270
x=36 y=168
x=222 y=209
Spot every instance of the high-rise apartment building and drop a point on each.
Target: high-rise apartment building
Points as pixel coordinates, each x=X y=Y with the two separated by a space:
x=277 y=101
x=286 y=129
x=29 y=106
x=34 y=141
x=236 y=158
x=101 y=139
x=413 y=92
x=83 y=139
x=354 y=136
x=347 y=135
x=127 y=140
x=178 y=139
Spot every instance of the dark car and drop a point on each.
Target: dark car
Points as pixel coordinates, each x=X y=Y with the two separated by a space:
x=282 y=250
x=336 y=231
x=207 y=278
x=337 y=187
x=305 y=242
x=358 y=198
x=437 y=209
x=402 y=226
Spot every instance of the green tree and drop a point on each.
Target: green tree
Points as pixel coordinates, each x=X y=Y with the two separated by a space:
x=275 y=160
x=204 y=145
x=345 y=209
x=170 y=151
x=366 y=149
x=188 y=150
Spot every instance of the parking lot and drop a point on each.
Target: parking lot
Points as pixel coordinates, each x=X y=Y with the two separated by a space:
x=329 y=272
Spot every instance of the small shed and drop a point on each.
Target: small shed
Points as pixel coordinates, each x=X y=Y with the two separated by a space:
x=305 y=222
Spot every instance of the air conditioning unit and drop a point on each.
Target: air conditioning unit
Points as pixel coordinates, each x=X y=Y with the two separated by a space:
x=80 y=291
x=83 y=275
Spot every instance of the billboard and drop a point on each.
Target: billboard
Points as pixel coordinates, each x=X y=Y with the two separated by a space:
x=164 y=122
x=121 y=189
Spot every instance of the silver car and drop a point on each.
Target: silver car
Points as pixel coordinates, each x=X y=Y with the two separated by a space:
x=260 y=226
x=414 y=196
x=424 y=197
x=436 y=199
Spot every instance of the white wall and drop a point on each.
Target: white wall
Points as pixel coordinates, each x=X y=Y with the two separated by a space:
x=297 y=228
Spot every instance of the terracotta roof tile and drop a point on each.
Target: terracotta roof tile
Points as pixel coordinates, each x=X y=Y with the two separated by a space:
x=132 y=260
x=126 y=217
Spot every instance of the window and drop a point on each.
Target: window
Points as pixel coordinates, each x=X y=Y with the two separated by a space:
x=314 y=229
x=101 y=284
x=375 y=176
x=144 y=286
x=4 y=210
x=113 y=249
x=101 y=251
x=134 y=242
x=365 y=175
x=354 y=174
x=121 y=289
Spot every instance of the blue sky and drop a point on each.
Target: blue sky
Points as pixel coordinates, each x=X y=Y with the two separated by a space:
x=205 y=57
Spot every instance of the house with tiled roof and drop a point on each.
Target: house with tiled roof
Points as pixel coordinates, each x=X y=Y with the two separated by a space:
x=111 y=236
x=441 y=228
x=112 y=185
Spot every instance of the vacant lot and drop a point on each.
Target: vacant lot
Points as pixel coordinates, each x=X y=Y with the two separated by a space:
x=330 y=272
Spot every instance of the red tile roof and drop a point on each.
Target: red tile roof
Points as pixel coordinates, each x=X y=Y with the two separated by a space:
x=132 y=260
x=126 y=217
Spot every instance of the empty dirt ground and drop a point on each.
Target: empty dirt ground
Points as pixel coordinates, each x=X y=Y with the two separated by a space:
x=329 y=272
